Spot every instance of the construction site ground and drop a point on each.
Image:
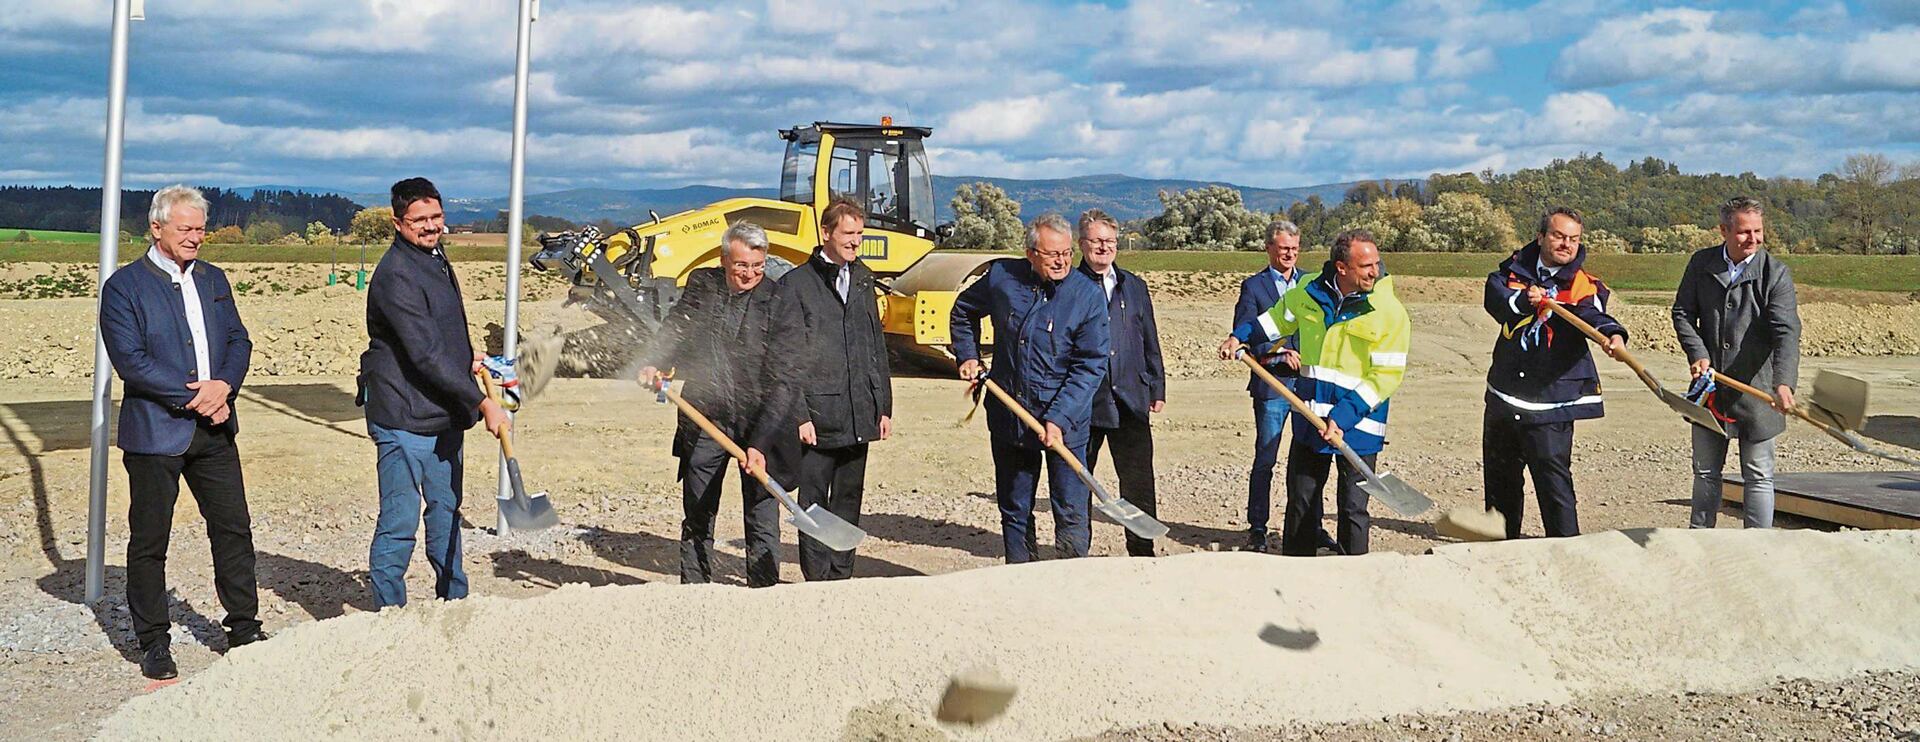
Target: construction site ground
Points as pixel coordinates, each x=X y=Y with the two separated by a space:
x=600 y=446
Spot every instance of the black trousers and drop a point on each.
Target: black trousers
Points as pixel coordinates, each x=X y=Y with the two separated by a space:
x=1509 y=448
x=1306 y=478
x=211 y=466
x=703 y=474
x=1132 y=445
x=832 y=478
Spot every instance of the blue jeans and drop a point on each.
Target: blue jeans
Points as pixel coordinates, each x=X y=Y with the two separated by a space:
x=1017 y=476
x=415 y=468
x=1270 y=420
x=1756 y=471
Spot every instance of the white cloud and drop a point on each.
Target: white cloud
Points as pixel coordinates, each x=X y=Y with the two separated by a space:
x=1884 y=59
x=1452 y=62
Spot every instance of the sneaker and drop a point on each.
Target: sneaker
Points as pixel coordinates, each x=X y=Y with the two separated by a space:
x=1256 y=540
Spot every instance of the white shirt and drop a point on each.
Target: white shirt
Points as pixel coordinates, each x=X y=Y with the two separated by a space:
x=196 y=320
x=1108 y=280
x=1735 y=269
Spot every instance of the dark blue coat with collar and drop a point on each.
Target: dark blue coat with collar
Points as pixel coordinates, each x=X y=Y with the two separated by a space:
x=1543 y=370
x=1257 y=295
x=1050 y=346
x=143 y=321
x=417 y=371
x=1136 y=374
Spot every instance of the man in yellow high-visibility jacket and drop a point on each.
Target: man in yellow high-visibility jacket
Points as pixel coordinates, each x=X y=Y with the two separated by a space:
x=1353 y=340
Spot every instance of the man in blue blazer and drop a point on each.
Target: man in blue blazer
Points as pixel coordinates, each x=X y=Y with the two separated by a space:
x=1050 y=353
x=1136 y=380
x=175 y=338
x=1258 y=293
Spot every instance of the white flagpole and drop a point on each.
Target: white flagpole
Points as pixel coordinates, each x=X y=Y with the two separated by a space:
x=109 y=257
x=515 y=194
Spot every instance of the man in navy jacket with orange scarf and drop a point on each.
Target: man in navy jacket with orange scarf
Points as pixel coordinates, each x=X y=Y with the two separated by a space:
x=1543 y=377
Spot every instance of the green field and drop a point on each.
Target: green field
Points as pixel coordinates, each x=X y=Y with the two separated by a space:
x=48 y=235
x=1624 y=272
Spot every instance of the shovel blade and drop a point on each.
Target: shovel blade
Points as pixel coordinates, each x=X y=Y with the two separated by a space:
x=1127 y=514
x=521 y=511
x=1694 y=413
x=524 y=512
x=1472 y=524
x=830 y=530
x=1842 y=397
x=1396 y=494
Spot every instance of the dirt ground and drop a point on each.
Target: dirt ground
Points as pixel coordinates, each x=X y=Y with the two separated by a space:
x=600 y=447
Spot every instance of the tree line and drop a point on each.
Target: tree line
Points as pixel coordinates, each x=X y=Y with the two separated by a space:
x=266 y=213
x=1869 y=205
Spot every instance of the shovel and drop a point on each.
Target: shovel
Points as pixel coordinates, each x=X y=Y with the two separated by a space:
x=1829 y=427
x=1386 y=488
x=1841 y=399
x=815 y=521
x=1127 y=514
x=1692 y=412
x=521 y=511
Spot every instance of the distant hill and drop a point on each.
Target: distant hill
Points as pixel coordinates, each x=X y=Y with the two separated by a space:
x=1123 y=196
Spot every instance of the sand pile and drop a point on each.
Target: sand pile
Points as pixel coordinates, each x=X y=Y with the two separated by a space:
x=1219 y=638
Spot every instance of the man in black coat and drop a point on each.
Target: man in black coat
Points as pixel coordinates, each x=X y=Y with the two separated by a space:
x=417 y=382
x=841 y=357
x=175 y=337
x=1135 y=383
x=722 y=336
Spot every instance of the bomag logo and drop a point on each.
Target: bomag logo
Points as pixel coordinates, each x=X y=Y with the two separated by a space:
x=873 y=246
x=702 y=225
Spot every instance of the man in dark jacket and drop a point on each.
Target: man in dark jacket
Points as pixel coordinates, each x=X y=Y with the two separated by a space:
x=722 y=337
x=841 y=357
x=1050 y=354
x=175 y=338
x=1543 y=377
x=1136 y=380
x=1736 y=312
x=417 y=380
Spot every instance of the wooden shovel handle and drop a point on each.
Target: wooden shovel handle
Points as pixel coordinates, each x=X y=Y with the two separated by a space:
x=1059 y=447
x=493 y=393
x=1745 y=388
x=713 y=431
x=1267 y=376
x=1593 y=334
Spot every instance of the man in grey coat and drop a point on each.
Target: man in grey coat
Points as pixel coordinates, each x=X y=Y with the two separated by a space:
x=1735 y=313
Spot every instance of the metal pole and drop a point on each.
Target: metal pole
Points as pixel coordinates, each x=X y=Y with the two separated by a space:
x=109 y=257
x=515 y=193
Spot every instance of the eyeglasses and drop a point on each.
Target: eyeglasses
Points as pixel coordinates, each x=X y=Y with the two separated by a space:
x=1109 y=242
x=1062 y=255
x=422 y=221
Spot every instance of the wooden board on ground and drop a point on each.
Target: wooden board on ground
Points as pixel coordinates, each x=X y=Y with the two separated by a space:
x=1865 y=499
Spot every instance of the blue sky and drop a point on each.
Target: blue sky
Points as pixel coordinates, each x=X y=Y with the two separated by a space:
x=354 y=94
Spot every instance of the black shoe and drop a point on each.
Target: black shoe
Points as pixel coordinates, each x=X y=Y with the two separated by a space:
x=1327 y=542
x=1256 y=540
x=157 y=663
x=241 y=639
